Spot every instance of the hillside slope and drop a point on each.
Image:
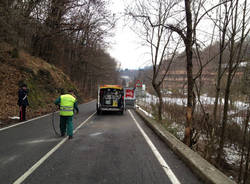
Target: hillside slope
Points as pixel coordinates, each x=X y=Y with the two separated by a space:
x=45 y=83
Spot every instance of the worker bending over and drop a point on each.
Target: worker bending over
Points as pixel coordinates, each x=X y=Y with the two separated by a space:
x=67 y=103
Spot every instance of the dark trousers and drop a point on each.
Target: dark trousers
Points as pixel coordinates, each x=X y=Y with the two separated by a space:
x=66 y=122
x=22 y=113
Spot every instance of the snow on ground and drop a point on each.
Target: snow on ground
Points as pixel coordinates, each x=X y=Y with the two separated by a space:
x=178 y=101
x=231 y=112
x=243 y=64
x=145 y=112
x=179 y=130
x=232 y=155
x=241 y=105
x=14 y=117
x=205 y=100
x=238 y=119
x=183 y=101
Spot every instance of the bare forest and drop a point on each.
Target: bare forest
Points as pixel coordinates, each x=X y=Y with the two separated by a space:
x=70 y=34
x=200 y=58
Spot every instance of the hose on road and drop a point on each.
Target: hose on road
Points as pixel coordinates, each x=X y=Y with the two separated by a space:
x=53 y=123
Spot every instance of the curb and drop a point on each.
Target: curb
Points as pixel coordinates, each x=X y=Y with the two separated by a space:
x=202 y=168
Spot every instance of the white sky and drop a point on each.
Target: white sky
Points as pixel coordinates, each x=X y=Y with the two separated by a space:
x=125 y=45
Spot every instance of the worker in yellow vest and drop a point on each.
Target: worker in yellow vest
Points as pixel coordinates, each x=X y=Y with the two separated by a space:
x=68 y=104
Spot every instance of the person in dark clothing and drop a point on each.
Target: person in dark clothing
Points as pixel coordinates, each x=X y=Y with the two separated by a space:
x=23 y=101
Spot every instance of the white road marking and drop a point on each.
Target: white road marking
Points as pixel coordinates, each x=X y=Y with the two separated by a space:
x=6 y=160
x=96 y=134
x=24 y=122
x=163 y=163
x=46 y=156
x=38 y=141
x=11 y=126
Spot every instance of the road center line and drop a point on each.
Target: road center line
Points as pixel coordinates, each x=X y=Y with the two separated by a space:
x=162 y=162
x=37 y=164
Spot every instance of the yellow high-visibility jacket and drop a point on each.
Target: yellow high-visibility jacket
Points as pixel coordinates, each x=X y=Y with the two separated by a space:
x=67 y=105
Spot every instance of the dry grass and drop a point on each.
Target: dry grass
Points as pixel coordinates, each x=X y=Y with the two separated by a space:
x=36 y=64
x=8 y=89
x=44 y=89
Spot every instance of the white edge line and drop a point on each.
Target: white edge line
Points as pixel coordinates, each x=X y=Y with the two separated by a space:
x=162 y=162
x=11 y=126
x=47 y=155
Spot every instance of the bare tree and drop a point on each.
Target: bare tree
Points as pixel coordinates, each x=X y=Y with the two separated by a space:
x=244 y=145
x=70 y=34
x=186 y=28
x=247 y=164
x=237 y=36
x=158 y=38
x=193 y=16
x=222 y=24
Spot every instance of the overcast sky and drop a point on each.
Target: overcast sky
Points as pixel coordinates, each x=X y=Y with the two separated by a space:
x=125 y=45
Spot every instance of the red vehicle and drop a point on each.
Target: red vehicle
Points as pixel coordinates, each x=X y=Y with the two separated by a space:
x=129 y=97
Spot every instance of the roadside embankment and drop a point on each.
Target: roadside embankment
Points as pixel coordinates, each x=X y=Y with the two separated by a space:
x=45 y=83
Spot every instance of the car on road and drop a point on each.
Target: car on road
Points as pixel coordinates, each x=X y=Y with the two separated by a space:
x=110 y=98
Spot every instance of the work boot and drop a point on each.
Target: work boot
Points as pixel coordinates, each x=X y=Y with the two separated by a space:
x=70 y=136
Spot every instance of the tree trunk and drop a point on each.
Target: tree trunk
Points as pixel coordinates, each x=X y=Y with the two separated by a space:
x=226 y=104
x=218 y=85
x=247 y=165
x=189 y=56
x=248 y=150
x=57 y=10
x=158 y=92
x=243 y=147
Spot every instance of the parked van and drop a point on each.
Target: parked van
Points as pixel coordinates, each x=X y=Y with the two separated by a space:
x=110 y=98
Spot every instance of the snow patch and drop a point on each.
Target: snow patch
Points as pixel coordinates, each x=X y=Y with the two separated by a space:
x=243 y=64
x=145 y=112
x=14 y=117
x=232 y=155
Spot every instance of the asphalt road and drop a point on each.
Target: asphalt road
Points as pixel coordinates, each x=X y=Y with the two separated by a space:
x=110 y=148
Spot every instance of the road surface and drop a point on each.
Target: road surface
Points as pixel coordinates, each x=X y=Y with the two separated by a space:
x=110 y=148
